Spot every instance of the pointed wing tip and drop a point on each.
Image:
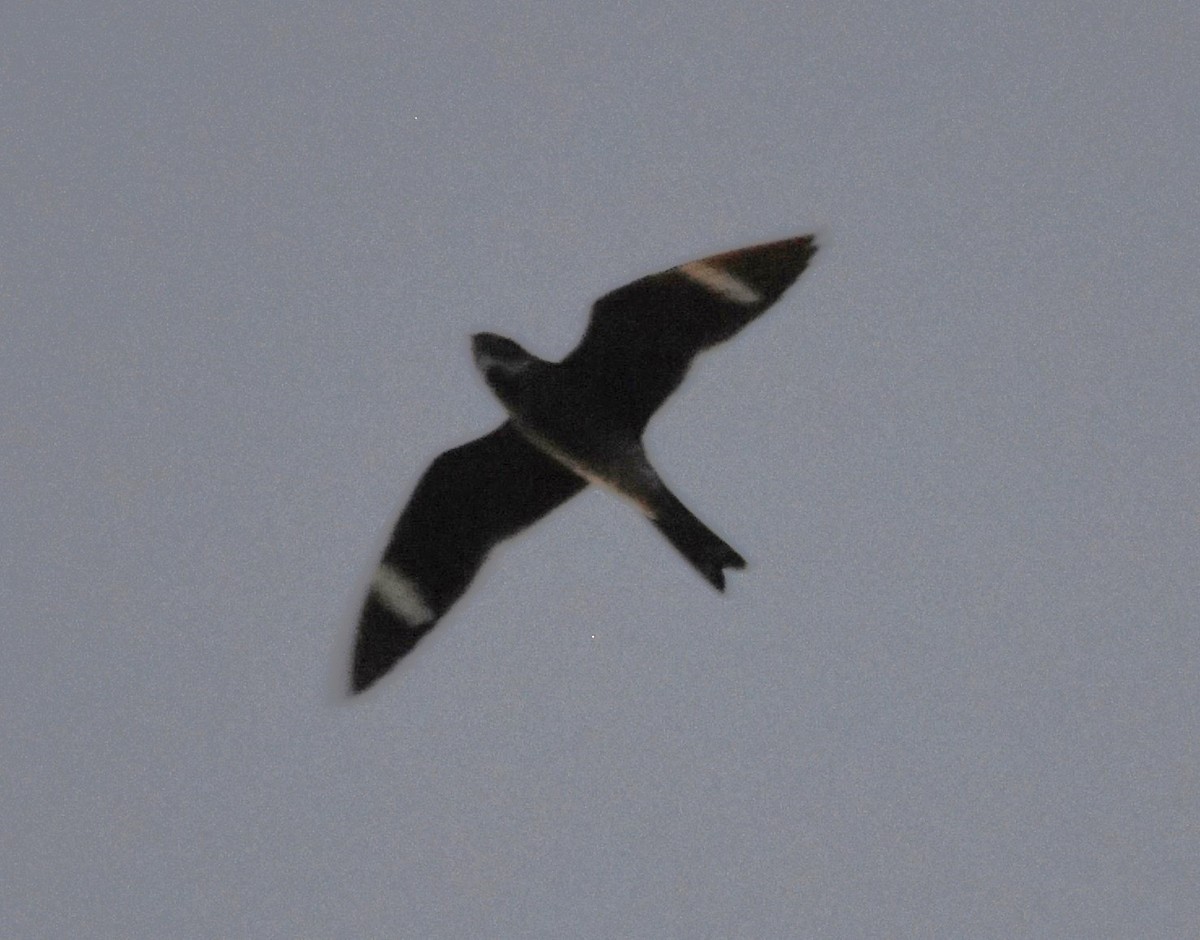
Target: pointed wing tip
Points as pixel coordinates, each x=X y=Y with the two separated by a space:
x=361 y=679
x=370 y=665
x=756 y=276
x=377 y=650
x=796 y=251
x=384 y=638
x=808 y=241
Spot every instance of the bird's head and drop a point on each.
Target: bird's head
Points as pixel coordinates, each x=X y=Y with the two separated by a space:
x=502 y=362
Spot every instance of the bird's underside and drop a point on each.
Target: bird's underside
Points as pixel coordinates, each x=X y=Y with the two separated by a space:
x=571 y=423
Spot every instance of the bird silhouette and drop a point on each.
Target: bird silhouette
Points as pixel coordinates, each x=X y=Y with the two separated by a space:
x=571 y=423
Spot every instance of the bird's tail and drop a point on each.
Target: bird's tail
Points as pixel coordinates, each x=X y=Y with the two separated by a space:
x=697 y=543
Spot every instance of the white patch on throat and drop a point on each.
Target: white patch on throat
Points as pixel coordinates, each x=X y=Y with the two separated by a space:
x=720 y=281
x=488 y=362
x=400 y=594
x=504 y=365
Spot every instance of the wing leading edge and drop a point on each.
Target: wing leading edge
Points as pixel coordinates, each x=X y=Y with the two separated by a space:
x=642 y=337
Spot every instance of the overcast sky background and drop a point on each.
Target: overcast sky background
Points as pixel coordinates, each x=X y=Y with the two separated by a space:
x=956 y=693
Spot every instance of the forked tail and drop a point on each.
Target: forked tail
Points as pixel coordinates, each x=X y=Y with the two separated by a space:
x=697 y=543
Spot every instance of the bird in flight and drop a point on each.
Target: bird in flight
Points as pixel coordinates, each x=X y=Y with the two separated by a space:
x=570 y=423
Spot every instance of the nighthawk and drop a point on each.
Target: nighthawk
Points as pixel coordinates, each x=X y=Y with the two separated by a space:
x=570 y=423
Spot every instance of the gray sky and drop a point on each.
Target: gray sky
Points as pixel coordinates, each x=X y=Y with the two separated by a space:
x=954 y=694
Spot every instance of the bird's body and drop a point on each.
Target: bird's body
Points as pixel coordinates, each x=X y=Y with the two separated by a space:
x=571 y=423
x=564 y=414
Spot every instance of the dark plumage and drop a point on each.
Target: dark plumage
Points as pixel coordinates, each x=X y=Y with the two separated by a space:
x=571 y=423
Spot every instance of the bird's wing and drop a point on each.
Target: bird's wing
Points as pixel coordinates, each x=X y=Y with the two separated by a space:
x=642 y=337
x=469 y=499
